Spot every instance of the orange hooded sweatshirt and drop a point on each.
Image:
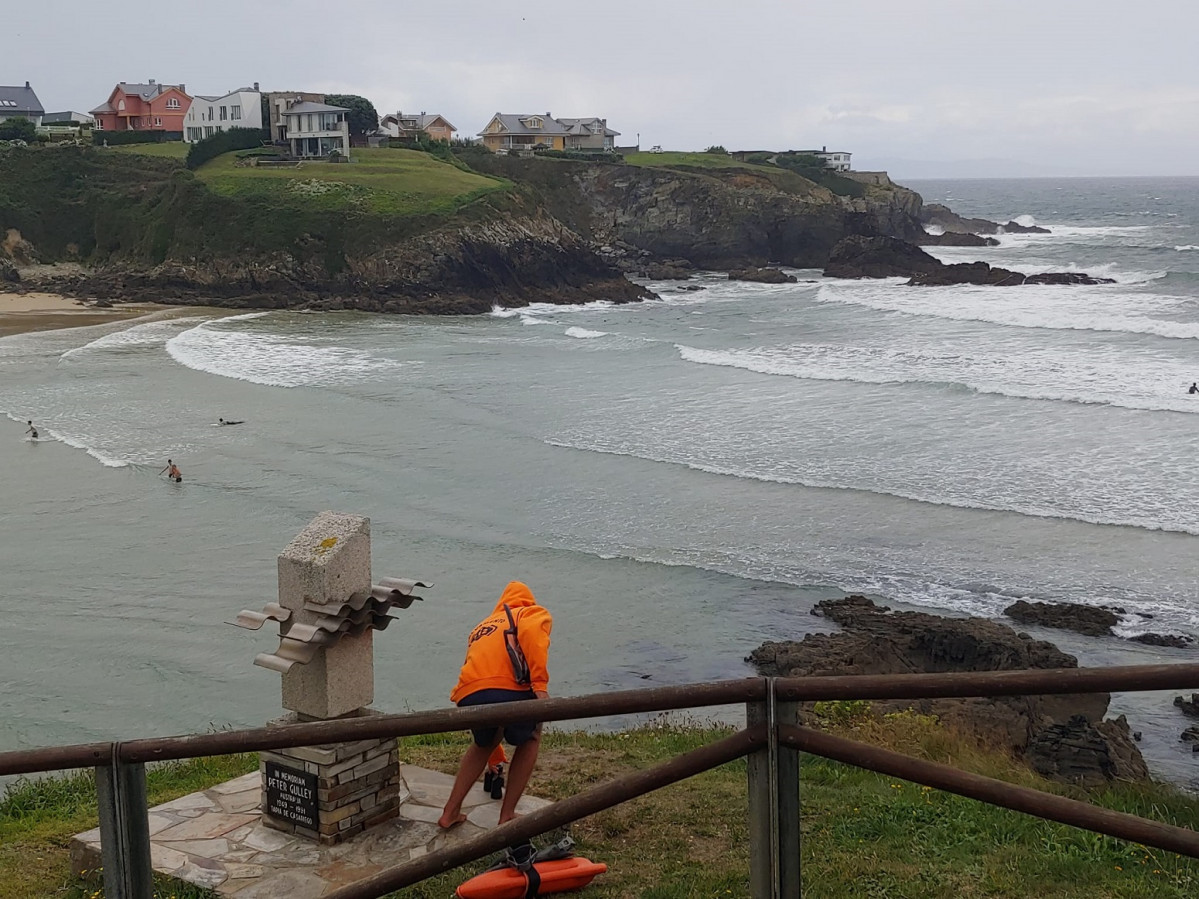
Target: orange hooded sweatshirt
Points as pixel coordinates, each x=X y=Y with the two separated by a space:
x=487 y=665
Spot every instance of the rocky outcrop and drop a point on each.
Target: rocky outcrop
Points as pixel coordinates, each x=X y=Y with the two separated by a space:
x=762 y=275
x=888 y=257
x=1017 y=228
x=8 y=271
x=878 y=257
x=1171 y=641
x=956 y=239
x=1090 y=620
x=945 y=218
x=981 y=273
x=1189 y=707
x=877 y=641
x=1087 y=753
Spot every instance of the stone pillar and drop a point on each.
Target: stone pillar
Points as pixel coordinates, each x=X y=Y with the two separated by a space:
x=328 y=793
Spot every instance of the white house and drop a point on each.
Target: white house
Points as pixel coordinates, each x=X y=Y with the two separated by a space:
x=20 y=102
x=838 y=160
x=316 y=129
x=206 y=116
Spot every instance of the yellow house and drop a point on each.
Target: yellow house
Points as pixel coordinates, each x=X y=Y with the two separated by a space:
x=508 y=133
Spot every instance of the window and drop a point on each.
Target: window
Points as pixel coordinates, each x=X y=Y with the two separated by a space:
x=158 y=121
x=208 y=130
x=120 y=106
x=224 y=113
x=173 y=103
x=194 y=134
x=235 y=112
x=210 y=113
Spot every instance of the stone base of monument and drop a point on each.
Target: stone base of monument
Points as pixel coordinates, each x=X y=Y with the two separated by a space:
x=331 y=792
x=216 y=838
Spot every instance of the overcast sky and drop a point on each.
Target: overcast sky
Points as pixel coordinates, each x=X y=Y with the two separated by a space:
x=920 y=87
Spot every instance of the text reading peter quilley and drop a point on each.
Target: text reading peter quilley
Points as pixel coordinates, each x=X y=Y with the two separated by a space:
x=291 y=795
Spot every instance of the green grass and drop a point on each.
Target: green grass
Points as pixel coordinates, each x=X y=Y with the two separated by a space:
x=693 y=160
x=386 y=181
x=863 y=834
x=175 y=149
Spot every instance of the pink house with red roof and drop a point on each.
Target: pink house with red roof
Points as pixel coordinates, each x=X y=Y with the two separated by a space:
x=143 y=107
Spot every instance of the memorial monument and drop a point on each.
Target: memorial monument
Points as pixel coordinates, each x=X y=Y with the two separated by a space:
x=327 y=613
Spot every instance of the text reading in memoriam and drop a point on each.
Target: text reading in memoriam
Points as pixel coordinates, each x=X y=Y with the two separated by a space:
x=291 y=795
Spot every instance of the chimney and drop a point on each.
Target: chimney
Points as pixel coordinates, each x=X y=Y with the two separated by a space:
x=182 y=88
x=255 y=85
x=27 y=85
x=151 y=80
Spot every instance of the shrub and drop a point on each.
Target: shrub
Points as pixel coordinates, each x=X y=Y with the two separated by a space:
x=223 y=142
x=717 y=150
x=604 y=156
x=119 y=138
x=18 y=128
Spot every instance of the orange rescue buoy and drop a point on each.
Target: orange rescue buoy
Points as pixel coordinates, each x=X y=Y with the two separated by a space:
x=557 y=876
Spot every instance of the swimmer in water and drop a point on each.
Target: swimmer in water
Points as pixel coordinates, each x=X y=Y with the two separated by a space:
x=222 y=421
x=172 y=472
x=31 y=430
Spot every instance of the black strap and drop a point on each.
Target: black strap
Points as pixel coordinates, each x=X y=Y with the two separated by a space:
x=516 y=655
x=532 y=883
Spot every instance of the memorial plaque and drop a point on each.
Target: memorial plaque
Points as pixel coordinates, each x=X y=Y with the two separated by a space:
x=291 y=795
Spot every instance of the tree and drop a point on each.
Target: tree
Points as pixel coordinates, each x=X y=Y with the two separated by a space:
x=362 y=115
x=717 y=150
x=17 y=128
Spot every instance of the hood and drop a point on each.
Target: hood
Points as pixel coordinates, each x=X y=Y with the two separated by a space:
x=514 y=595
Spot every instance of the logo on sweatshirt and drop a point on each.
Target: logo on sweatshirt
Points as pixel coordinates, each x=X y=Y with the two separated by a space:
x=482 y=631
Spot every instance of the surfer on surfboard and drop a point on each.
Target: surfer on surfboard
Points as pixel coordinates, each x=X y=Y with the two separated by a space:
x=223 y=422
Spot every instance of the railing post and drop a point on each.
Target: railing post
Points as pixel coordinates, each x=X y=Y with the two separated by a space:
x=773 y=803
x=124 y=830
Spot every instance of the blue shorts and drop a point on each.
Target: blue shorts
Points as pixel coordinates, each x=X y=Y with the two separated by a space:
x=514 y=734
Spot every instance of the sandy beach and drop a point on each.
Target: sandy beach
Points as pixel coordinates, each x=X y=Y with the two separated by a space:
x=41 y=311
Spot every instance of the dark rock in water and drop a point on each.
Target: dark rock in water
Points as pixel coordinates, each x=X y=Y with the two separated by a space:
x=693 y=287
x=1017 y=228
x=878 y=257
x=876 y=641
x=981 y=273
x=670 y=270
x=1191 y=734
x=945 y=218
x=1190 y=709
x=956 y=239
x=1174 y=641
x=1136 y=736
x=762 y=275
x=1086 y=753
x=1070 y=616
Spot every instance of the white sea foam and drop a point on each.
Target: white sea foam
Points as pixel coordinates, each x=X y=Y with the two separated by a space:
x=1102 y=308
x=1059 y=374
x=1185 y=247
x=148 y=334
x=584 y=334
x=540 y=310
x=272 y=359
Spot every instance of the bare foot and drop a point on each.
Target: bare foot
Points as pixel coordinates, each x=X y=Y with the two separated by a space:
x=445 y=823
x=511 y=817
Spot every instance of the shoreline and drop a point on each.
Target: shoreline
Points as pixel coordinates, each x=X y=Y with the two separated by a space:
x=38 y=310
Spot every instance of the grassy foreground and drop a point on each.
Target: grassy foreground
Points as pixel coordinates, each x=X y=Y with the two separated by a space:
x=863 y=834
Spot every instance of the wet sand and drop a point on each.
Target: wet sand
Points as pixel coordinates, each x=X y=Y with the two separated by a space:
x=41 y=311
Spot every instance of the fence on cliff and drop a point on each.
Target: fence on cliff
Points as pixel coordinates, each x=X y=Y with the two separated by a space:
x=771 y=742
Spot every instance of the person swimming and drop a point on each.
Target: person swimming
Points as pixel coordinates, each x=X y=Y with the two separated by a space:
x=172 y=472
x=222 y=421
x=31 y=430
x=1194 y=388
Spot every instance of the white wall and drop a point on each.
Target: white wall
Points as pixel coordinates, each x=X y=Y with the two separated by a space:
x=247 y=105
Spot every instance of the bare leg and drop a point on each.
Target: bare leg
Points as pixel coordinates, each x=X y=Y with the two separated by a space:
x=520 y=769
x=473 y=762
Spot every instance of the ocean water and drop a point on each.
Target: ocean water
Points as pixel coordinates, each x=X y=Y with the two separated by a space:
x=677 y=480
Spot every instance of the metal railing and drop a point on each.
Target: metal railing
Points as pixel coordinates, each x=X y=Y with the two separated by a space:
x=772 y=741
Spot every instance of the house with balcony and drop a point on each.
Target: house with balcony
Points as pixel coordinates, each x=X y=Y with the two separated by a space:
x=837 y=160
x=412 y=127
x=207 y=115
x=523 y=133
x=144 y=107
x=591 y=134
x=316 y=130
x=20 y=102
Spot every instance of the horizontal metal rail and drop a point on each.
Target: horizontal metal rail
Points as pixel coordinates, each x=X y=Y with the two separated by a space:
x=995 y=792
x=625 y=702
x=600 y=797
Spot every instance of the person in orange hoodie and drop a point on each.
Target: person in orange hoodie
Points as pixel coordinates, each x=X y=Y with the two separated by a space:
x=507 y=655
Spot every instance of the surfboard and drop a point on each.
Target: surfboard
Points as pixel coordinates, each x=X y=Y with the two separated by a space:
x=557 y=876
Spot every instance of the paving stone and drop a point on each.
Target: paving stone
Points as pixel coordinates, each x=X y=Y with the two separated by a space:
x=203 y=872
x=238 y=871
x=190 y=801
x=236 y=836
x=424 y=813
x=240 y=802
x=202 y=848
x=206 y=827
x=239 y=855
x=251 y=781
x=159 y=822
x=343 y=872
x=165 y=859
x=268 y=840
x=289 y=884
